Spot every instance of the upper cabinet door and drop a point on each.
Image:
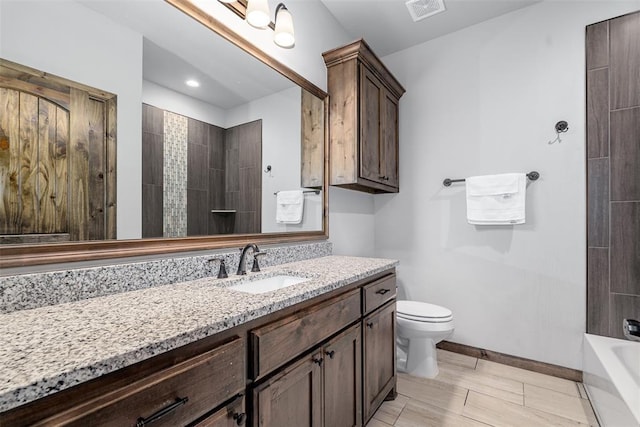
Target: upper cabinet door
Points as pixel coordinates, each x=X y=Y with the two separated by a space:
x=363 y=146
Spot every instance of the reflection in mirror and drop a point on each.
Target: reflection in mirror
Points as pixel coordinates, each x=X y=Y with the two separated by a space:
x=205 y=150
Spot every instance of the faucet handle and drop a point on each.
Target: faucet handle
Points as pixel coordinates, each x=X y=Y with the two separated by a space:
x=256 y=267
x=222 y=272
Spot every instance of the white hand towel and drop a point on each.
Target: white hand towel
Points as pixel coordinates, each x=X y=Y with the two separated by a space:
x=289 y=207
x=496 y=199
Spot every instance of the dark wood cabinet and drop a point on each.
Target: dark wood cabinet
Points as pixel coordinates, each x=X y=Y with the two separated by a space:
x=379 y=378
x=363 y=120
x=292 y=397
x=231 y=415
x=343 y=379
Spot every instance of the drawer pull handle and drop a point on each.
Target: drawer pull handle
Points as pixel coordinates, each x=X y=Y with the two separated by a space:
x=142 y=422
x=369 y=325
x=318 y=360
x=240 y=418
x=382 y=291
x=330 y=353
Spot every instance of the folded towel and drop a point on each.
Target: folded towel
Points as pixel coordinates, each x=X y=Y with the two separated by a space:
x=289 y=207
x=496 y=199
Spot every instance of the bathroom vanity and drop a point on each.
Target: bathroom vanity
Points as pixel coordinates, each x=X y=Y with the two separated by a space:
x=321 y=352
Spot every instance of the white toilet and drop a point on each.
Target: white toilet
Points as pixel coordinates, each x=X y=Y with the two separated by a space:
x=420 y=326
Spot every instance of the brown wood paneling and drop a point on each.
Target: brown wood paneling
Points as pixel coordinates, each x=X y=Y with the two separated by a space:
x=59 y=97
x=598 y=113
x=625 y=154
x=33 y=238
x=152 y=119
x=622 y=307
x=625 y=247
x=598 y=291
x=61 y=166
x=232 y=415
x=152 y=210
x=216 y=189
x=342 y=84
x=518 y=362
x=9 y=161
x=46 y=176
x=79 y=165
x=343 y=379
x=371 y=93
x=273 y=344
x=97 y=169
x=312 y=129
x=597 y=41
x=28 y=163
x=232 y=161
x=111 y=195
x=625 y=61
x=598 y=202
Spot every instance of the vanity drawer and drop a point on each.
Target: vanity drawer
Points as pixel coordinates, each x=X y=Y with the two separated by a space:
x=379 y=292
x=184 y=392
x=276 y=343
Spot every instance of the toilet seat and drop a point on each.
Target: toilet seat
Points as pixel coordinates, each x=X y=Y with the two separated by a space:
x=423 y=312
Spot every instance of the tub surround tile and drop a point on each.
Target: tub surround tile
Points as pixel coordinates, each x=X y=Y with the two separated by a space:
x=625 y=248
x=598 y=113
x=598 y=209
x=598 y=291
x=625 y=154
x=597 y=40
x=623 y=307
x=28 y=291
x=51 y=348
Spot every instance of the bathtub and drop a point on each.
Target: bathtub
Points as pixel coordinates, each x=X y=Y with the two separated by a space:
x=611 y=370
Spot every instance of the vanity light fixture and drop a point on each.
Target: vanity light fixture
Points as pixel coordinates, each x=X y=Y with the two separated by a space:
x=256 y=13
x=283 y=36
x=192 y=83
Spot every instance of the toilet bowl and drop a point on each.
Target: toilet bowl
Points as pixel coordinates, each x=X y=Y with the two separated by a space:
x=420 y=326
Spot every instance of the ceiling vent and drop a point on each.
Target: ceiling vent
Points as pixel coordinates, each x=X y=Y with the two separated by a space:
x=420 y=9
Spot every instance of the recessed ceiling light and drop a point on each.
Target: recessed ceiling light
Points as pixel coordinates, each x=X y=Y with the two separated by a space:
x=192 y=83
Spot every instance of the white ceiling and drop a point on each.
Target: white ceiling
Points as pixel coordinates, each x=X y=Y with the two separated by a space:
x=387 y=26
x=177 y=48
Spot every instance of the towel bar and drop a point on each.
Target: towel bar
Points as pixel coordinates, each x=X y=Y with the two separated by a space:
x=305 y=191
x=533 y=175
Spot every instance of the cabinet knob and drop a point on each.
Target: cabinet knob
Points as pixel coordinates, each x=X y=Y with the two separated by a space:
x=369 y=325
x=330 y=353
x=318 y=360
x=240 y=418
x=382 y=291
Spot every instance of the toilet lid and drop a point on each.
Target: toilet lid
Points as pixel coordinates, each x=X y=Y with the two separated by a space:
x=422 y=311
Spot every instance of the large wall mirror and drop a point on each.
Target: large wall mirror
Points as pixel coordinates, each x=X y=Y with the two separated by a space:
x=198 y=165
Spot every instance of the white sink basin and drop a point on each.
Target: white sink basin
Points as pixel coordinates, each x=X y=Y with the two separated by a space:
x=268 y=284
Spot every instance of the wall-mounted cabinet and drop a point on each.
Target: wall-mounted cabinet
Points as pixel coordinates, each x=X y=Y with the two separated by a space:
x=363 y=120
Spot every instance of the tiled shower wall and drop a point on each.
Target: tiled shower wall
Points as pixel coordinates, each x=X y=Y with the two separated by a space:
x=613 y=174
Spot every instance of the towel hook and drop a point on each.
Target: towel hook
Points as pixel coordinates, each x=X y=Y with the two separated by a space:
x=560 y=127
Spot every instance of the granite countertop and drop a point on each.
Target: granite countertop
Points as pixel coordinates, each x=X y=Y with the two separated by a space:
x=48 y=349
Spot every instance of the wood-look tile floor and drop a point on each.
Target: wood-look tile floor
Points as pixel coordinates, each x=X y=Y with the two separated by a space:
x=476 y=392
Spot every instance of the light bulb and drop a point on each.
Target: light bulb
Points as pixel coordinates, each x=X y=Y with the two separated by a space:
x=284 y=36
x=258 y=13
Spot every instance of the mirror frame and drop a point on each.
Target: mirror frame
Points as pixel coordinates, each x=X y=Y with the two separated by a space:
x=39 y=254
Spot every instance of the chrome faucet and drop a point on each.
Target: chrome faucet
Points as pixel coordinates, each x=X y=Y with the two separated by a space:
x=242 y=264
x=631 y=329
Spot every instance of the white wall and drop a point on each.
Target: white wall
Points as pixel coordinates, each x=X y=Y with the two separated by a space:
x=71 y=41
x=176 y=102
x=480 y=101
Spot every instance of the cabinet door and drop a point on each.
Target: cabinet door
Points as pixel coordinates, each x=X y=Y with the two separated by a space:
x=379 y=357
x=232 y=415
x=389 y=147
x=371 y=91
x=343 y=380
x=292 y=397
